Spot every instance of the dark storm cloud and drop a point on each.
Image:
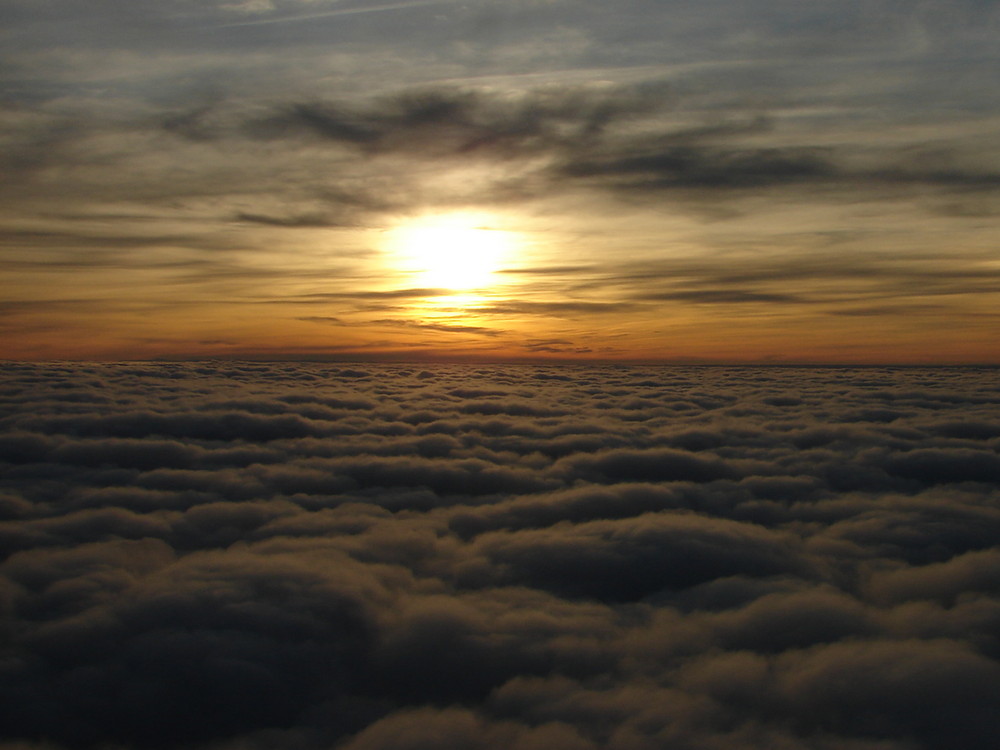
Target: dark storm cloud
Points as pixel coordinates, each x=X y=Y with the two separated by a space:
x=385 y=556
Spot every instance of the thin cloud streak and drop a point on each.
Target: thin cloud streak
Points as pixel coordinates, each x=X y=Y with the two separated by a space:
x=335 y=13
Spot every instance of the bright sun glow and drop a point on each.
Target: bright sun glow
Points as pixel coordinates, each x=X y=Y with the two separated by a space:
x=450 y=251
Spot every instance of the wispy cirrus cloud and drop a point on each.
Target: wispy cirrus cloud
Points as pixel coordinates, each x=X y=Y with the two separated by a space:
x=307 y=17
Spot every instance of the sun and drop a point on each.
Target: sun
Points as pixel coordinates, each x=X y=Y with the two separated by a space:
x=456 y=251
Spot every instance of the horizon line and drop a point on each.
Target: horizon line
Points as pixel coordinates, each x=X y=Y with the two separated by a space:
x=554 y=362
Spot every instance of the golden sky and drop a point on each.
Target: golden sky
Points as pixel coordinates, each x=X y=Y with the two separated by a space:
x=520 y=180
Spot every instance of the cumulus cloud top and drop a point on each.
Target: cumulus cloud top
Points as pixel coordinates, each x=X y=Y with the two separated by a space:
x=398 y=556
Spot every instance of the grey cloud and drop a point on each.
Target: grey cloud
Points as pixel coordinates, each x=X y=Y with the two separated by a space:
x=651 y=465
x=575 y=505
x=555 y=346
x=969 y=430
x=328 y=320
x=545 y=270
x=942 y=466
x=173 y=631
x=724 y=296
x=301 y=220
x=778 y=622
x=372 y=295
x=398 y=555
x=585 y=134
x=629 y=560
x=857 y=285
x=873 y=311
x=469 y=122
x=423 y=729
x=706 y=166
x=310 y=17
x=880 y=689
x=689 y=127
x=703 y=167
x=945 y=581
x=443 y=327
x=554 y=309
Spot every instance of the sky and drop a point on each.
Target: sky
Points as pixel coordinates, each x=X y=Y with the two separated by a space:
x=375 y=556
x=500 y=180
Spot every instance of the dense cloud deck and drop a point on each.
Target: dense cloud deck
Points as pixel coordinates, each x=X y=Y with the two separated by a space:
x=362 y=557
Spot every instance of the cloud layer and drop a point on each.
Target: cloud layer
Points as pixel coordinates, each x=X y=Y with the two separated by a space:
x=687 y=181
x=391 y=556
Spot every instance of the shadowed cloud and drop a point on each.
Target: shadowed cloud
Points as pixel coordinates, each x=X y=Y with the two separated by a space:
x=400 y=555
